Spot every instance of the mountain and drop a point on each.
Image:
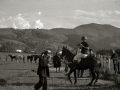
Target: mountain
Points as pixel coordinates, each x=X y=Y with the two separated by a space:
x=37 y=39
x=99 y=37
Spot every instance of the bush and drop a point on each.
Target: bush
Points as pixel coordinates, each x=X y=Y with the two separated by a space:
x=105 y=73
x=3 y=82
x=117 y=80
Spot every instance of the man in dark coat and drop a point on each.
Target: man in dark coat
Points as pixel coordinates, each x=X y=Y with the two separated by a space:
x=43 y=71
x=57 y=61
x=114 y=56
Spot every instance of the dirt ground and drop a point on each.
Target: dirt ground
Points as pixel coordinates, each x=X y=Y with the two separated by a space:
x=20 y=76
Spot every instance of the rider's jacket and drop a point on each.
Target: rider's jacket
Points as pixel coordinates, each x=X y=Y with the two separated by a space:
x=84 y=50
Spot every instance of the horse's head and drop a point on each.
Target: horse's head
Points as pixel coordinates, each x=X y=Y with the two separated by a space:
x=9 y=55
x=63 y=52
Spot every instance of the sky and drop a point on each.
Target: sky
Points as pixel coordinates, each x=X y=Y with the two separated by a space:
x=48 y=14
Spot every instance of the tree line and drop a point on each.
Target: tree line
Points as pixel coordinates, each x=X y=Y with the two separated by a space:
x=107 y=51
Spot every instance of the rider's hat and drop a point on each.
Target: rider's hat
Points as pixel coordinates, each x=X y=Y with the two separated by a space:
x=84 y=38
x=47 y=52
x=60 y=52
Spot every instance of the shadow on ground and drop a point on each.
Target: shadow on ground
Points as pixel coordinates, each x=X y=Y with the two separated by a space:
x=22 y=84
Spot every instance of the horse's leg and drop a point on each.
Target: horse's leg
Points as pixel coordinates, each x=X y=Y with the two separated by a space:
x=75 y=76
x=70 y=72
x=30 y=60
x=56 y=69
x=59 y=69
x=66 y=68
x=23 y=60
x=35 y=60
x=90 y=73
x=93 y=77
x=78 y=73
x=115 y=68
x=27 y=60
x=82 y=71
x=118 y=68
x=97 y=73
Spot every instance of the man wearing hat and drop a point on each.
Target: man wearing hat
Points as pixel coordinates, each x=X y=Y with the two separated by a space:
x=115 y=59
x=43 y=71
x=82 y=52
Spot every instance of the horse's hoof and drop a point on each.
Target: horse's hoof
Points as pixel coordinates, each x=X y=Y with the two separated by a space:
x=94 y=82
x=75 y=82
x=118 y=72
x=89 y=84
x=66 y=74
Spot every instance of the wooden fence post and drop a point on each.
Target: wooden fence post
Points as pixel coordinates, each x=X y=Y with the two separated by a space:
x=109 y=63
x=103 y=61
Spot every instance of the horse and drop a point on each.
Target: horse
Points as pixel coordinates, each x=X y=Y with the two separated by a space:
x=57 y=62
x=30 y=57
x=81 y=72
x=13 y=57
x=86 y=63
x=21 y=57
x=36 y=57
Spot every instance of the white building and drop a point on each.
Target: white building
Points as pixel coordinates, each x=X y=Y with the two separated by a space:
x=19 y=51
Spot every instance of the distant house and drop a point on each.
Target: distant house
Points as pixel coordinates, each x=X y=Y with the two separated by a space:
x=19 y=51
x=32 y=51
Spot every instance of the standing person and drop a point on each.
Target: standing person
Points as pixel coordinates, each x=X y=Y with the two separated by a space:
x=57 y=61
x=43 y=71
x=114 y=57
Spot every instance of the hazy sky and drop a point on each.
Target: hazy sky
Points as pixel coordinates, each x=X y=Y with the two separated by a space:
x=58 y=13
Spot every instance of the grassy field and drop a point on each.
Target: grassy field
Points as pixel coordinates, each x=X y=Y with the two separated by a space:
x=20 y=76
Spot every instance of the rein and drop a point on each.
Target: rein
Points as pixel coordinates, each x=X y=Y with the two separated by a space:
x=74 y=49
x=67 y=59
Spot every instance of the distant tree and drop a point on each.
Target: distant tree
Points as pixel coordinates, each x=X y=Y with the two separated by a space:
x=27 y=50
x=118 y=52
x=104 y=52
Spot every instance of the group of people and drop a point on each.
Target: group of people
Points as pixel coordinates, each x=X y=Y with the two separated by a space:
x=82 y=52
x=43 y=68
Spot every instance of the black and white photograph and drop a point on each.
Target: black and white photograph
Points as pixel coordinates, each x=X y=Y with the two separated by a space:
x=59 y=44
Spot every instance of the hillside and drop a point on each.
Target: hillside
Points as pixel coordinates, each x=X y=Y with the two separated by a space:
x=99 y=37
x=29 y=39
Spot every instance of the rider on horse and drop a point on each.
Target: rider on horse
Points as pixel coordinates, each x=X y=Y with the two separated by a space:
x=82 y=51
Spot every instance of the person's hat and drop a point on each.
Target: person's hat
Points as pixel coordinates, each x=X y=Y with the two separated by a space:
x=60 y=52
x=90 y=50
x=49 y=51
x=84 y=38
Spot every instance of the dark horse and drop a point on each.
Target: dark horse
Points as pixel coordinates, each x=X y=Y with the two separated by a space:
x=57 y=62
x=30 y=57
x=13 y=57
x=87 y=63
x=36 y=57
